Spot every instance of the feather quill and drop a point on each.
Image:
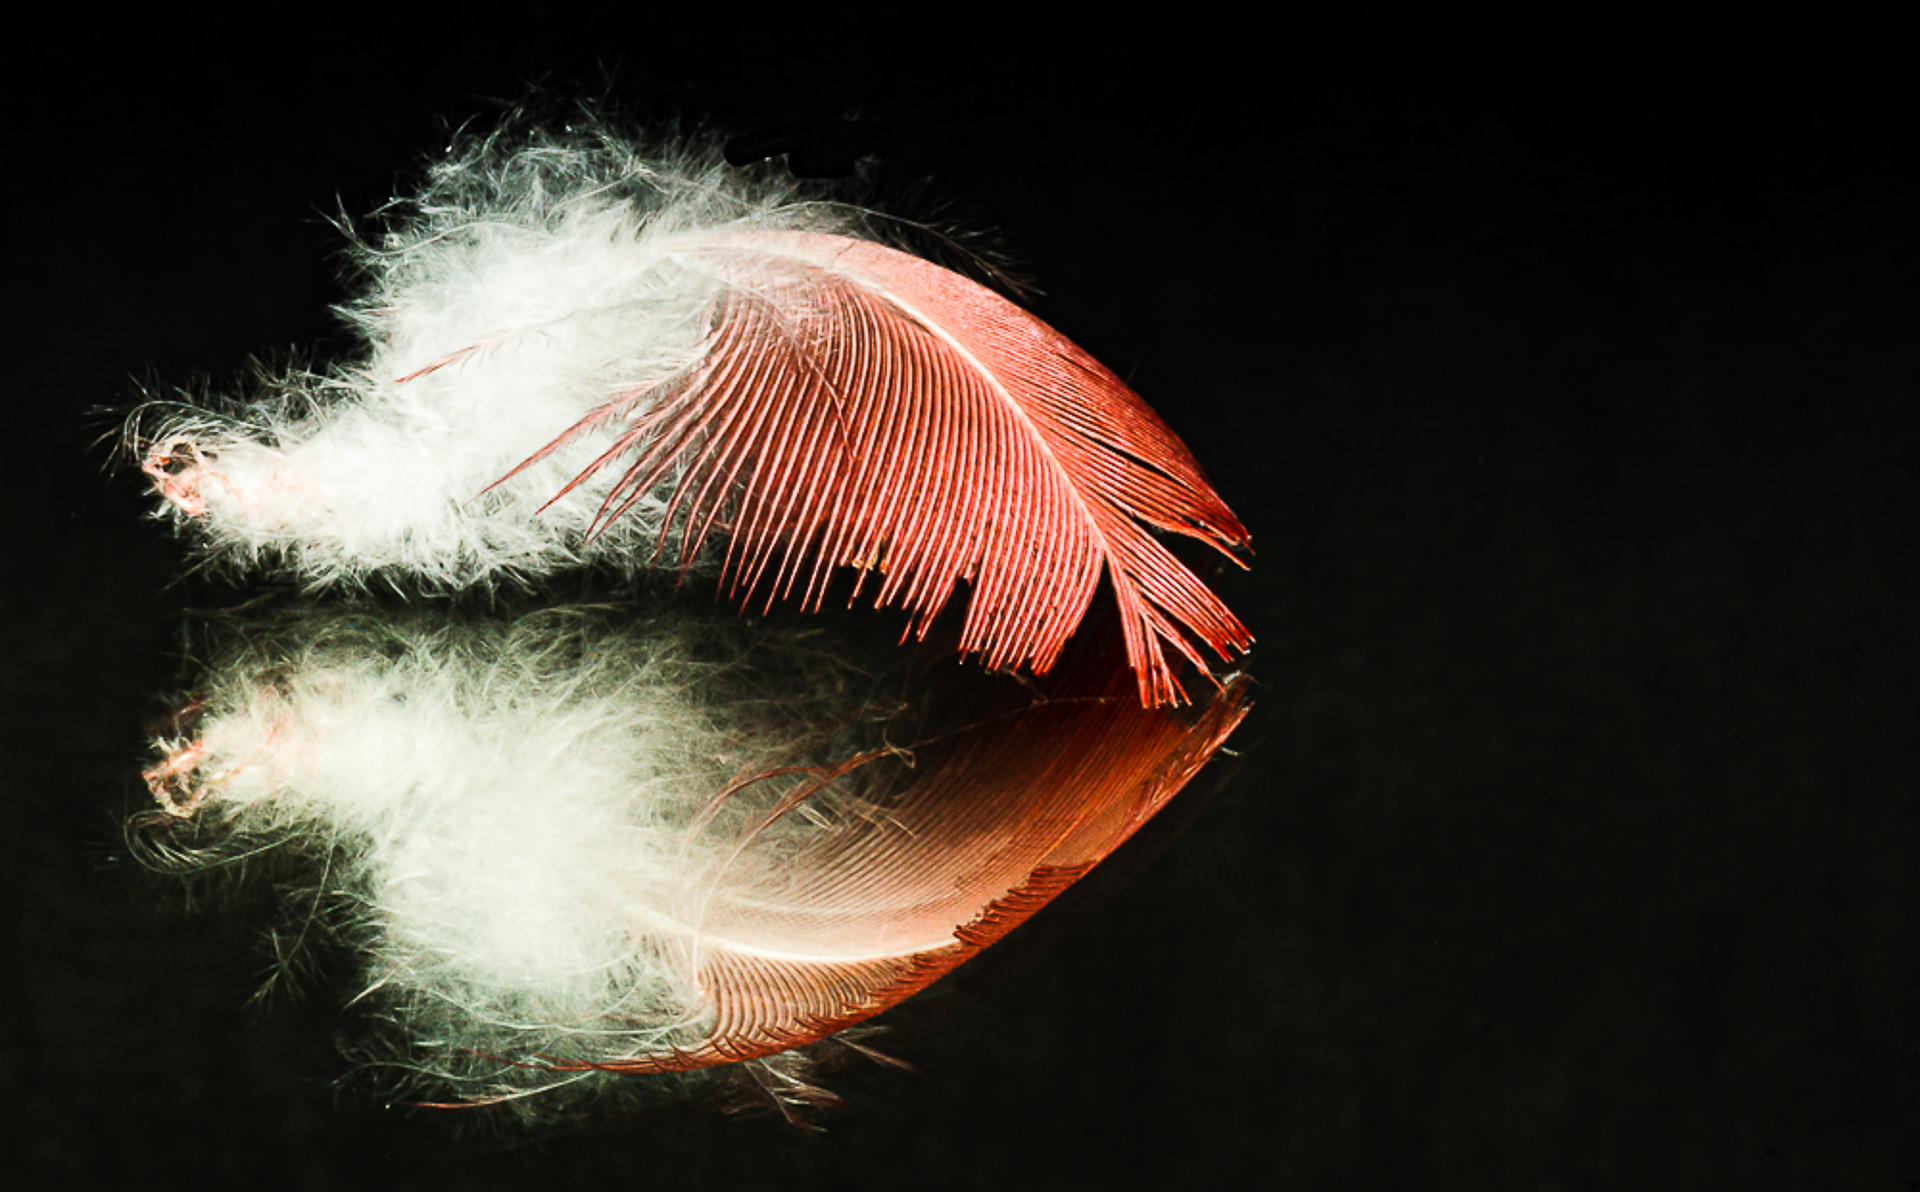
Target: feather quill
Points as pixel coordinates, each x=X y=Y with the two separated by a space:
x=575 y=352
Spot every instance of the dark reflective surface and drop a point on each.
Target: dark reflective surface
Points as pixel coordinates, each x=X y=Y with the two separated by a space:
x=1566 y=406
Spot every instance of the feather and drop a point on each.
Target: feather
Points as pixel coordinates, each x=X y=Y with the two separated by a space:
x=574 y=847
x=753 y=366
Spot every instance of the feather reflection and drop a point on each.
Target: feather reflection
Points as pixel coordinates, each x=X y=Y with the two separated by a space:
x=586 y=845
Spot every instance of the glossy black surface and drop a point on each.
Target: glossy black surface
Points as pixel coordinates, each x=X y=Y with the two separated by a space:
x=1569 y=402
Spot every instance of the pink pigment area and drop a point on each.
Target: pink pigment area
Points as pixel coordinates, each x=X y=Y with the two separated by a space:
x=178 y=468
x=171 y=780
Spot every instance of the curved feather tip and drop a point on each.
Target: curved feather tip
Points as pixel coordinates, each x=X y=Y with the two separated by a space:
x=575 y=353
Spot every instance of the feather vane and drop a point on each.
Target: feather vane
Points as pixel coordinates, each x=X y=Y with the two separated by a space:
x=861 y=407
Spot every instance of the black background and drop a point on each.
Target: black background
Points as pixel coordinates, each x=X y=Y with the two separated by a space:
x=1564 y=381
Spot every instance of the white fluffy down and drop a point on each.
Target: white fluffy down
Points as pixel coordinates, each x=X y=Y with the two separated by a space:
x=527 y=284
x=500 y=817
